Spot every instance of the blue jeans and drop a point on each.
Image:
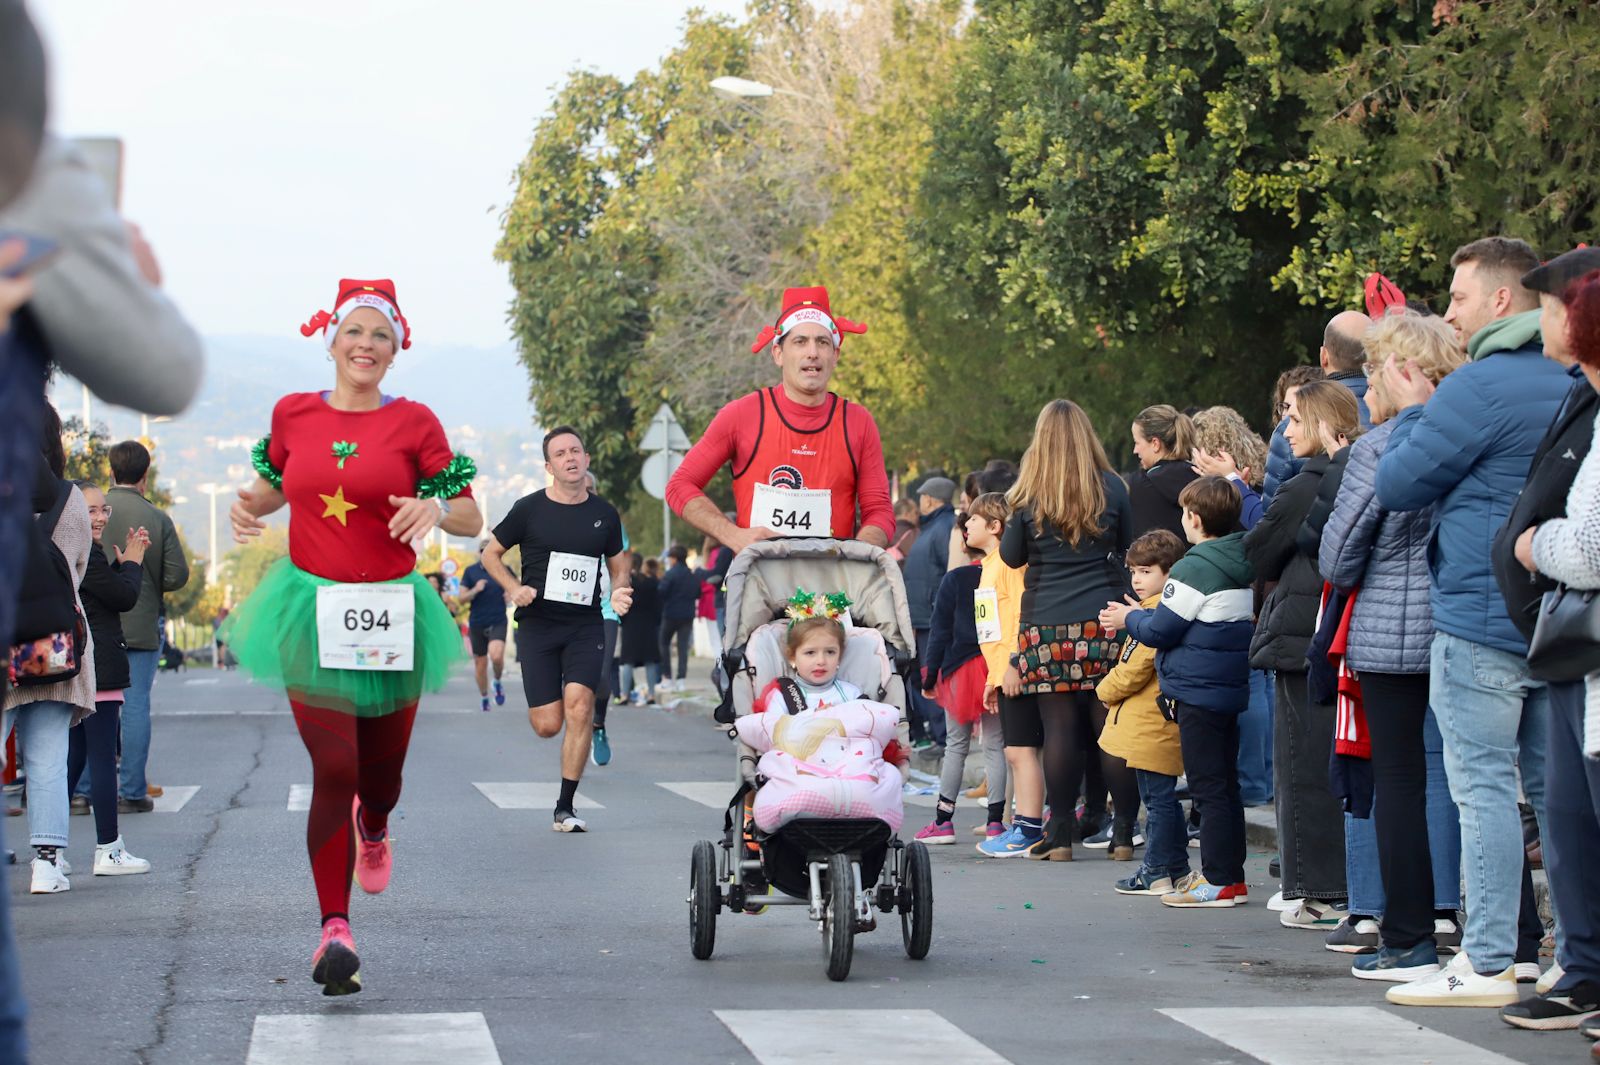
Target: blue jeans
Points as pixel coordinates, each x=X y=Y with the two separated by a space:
x=136 y=722
x=42 y=736
x=1166 y=841
x=1494 y=718
x=1572 y=841
x=1255 y=742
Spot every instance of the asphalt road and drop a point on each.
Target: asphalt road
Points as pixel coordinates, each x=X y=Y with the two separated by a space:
x=501 y=941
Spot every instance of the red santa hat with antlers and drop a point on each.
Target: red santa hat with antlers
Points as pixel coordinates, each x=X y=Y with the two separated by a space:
x=378 y=295
x=805 y=305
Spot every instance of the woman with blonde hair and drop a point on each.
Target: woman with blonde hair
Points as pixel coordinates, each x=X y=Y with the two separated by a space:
x=1403 y=863
x=1323 y=419
x=1070 y=525
x=1163 y=441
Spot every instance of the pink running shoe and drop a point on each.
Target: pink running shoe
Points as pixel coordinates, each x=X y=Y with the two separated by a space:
x=936 y=834
x=335 y=965
x=374 y=858
x=996 y=828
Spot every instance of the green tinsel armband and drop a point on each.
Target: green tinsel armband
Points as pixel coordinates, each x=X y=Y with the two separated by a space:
x=263 y=465
x=450 y=481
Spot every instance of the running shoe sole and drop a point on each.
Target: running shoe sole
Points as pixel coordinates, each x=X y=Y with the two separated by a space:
x=570 y=823
x=936 y=841
x=338 y=970
x=1549 y=1024
x=1214 y=904
x=1143 y=891
x=1001 y=854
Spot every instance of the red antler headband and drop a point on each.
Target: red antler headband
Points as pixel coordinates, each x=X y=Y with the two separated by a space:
x=801 y=305
x=1382 y=296
x=378 y=295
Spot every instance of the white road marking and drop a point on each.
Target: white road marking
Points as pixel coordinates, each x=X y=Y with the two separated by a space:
x=174 y=797
x=1332 y=1035
x=712 y=793
x=372 y=1039
x=828 y=1037
x=299 y=798
x=520 y=795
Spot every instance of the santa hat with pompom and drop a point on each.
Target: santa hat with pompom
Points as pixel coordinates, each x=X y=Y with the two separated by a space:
x=379 y=295
x=802 y=305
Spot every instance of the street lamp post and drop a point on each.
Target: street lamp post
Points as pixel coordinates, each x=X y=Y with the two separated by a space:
x=745 y=89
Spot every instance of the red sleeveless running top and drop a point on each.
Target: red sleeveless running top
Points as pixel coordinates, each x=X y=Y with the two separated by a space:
x=786 y=457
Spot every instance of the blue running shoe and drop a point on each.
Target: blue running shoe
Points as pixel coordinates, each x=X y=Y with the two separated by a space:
x=600 y=749
x=499 y=695
x=1011 y=845
x=486 y=704
x=1145 y=882
x=1398 y=966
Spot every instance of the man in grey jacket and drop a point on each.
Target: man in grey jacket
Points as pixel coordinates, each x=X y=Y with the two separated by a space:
x=165 y=570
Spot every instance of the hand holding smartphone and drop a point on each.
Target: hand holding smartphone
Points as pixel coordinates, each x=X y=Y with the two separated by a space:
x=36 y=252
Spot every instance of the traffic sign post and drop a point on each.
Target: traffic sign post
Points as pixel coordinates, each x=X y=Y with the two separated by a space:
x=667 y=442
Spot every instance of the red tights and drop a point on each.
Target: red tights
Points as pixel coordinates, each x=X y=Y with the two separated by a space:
x=349 y=755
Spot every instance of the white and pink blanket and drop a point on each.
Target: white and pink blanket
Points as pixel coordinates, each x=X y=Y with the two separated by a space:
x=824 y=763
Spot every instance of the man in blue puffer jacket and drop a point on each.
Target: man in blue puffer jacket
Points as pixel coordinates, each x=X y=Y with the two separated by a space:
x=1465 y=449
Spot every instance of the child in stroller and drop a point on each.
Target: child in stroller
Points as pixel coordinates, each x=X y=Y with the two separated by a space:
x=815 y=704
x=822 y=746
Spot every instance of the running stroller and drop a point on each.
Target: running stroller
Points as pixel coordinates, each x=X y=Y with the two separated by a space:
x=839 y=869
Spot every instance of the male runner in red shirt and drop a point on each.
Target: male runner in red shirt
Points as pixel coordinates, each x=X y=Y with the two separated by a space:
x=805 y=462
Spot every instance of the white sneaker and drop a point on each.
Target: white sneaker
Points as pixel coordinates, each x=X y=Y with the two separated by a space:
x=1458 y=985
x=62 y=864
x=1277 y=904
x=1528 y=972
x=1312 y=915
x=48 y=878
x=1552 y=976
x=113 y=859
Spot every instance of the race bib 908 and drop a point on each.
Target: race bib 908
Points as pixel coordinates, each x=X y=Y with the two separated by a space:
x=571 y=578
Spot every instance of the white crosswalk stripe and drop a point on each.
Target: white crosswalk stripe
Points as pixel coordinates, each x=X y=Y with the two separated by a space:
x=520 y=795
x=1324 y=1035
x=299 y=798
x=884 y=1037
x=372 y=1039
x=174 y=797
x=712 y=793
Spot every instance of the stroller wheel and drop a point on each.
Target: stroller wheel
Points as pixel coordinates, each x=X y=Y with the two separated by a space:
x=705 y=899
x=839 y=918
x=916 y=906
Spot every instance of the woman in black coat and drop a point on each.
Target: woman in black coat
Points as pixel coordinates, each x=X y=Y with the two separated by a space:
x=641 y=630
x=1283 y=548
x=109 y=588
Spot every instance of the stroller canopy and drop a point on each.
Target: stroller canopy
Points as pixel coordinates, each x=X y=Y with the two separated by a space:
x=766 y=575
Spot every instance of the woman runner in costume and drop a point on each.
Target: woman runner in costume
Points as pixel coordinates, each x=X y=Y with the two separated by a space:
x=345 y=624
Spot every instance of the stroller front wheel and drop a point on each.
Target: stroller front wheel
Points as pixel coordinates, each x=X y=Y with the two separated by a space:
x=916 y=907
x=839 y=918
x=705 y=899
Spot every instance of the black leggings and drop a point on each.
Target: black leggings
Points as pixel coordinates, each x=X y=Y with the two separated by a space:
x=1072 y=722
x=684 y=631
x=93 y=741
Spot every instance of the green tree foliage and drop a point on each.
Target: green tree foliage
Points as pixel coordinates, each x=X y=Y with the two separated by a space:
x=1119 y=201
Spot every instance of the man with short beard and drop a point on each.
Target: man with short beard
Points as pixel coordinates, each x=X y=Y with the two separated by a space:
x=1465 y=449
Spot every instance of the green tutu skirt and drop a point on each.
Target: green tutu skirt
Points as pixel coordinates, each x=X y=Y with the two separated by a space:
x=273 y=635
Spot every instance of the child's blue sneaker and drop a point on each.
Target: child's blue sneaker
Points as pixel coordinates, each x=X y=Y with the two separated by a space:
x=1011 y=845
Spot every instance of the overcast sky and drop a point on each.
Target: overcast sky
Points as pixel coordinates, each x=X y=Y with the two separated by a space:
x=274 y=146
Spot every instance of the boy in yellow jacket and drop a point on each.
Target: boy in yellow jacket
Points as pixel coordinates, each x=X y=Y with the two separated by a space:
x=1138 y=732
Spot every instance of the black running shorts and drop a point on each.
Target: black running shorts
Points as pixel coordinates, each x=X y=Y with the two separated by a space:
x=482 y=637
x=555 y=654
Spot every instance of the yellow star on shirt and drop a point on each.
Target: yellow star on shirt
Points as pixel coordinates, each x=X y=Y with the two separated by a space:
x=337 y=507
